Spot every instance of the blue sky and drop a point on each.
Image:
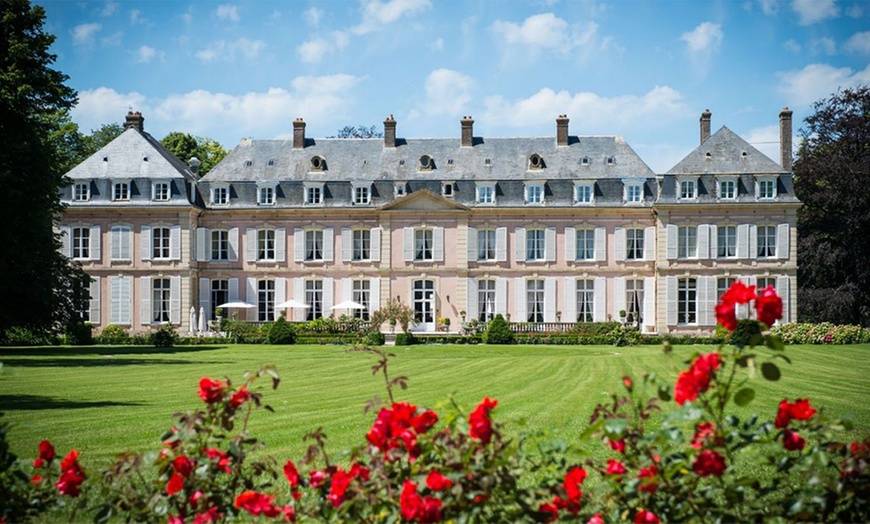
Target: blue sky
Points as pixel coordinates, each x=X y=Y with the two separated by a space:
x=641 y=69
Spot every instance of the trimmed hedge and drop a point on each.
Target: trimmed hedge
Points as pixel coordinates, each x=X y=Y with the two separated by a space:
x=281 y=333
x=823 y=333
x=498 y=332
x=405 y=339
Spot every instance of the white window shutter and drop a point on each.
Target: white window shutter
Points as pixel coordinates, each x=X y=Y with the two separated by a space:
x=703 y=241
x=145 y=301
x=251 y=297
x=375 y=252
x=328 y=294
x=117 y=244
x=438 y=244
x=205 y=297
x=96 y=243
x=672 y=232
x=203 y=253
x=94 y=310
x=232 y=290
x=520 y=241
x=328 y=244
x=472 y=244
x=743 y=241
x=66 y=241
x=550 y=244
x=114 y=300
x=374 y=294
x=175 y=300
x=298 y=245
x=649 y=243
x=146 y=247
x=346 y=289
x=619 y=248
x=280 y=294
x=126 y=302
x=346 y=247
x=550 y=299
x=714 y=240
x=501 y=296
x=409 y=244
x=619 y=295
x=783 y=289
x=753 y=241
x=519 y=300
x=706 y=301
x=671 y=300
x=472 y=310
x=175 y=242
x=601 y=244
x=234 y=244
x=250 y=244
x=570 y=244
x=599 y=305
x=570 y=313
x=281 y=244
x=782 y=241
x=649 y=301
x=299 y=314
x=501 y=244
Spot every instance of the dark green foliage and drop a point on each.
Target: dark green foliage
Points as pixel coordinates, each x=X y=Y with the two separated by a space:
x=594 y=328
x=79 y=334
x=375 y=339
x=405 y=339
x=19 y=336
x=748 y=333
x=282 y=332
x=360 y=131
x=114 y=335
x=165 y=337
x=184 y=146
x=244 y=333
x=498 y=332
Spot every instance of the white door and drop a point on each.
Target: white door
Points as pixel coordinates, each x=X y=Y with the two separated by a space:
x=423 y=299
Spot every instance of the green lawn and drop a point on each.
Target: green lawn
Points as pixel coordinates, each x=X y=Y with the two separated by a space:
x=103 y=400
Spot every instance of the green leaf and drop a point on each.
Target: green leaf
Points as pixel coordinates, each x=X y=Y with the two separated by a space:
x=615 y=426
x=665 y=393
x=592 y=428
x=770 y=371
x=775 y=343
x=744 y=396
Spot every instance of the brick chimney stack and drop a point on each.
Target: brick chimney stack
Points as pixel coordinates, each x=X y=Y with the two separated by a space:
x=562 y=130
x=390 y=132
x=705 y=125
x=135 y=120
x=298 y=134
x=467 y=131
x=785 y=138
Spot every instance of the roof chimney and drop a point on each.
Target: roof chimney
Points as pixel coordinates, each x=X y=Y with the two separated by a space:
x=467 y=131
x=705 y=125
x=390 y=132
x=135 y=120
x=298 y=134
x=562 y=130
x=785 y=138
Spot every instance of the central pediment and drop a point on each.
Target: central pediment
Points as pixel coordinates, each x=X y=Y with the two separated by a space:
x=423 y=200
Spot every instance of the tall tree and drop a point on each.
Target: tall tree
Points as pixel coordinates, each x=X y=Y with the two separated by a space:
x=185 y=146
x=38 y=287
x=359 y=132
x=102 y=136
x=831 y=178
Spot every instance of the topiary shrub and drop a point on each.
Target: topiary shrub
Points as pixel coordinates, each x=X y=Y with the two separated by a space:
x=375 y=339
x=114 y=335
x=405 y=339
x=165 y=337
x=79 y=334
x=281 y=333
x=498 y=332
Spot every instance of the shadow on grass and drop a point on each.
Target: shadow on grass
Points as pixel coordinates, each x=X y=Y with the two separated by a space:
x=74 y=351
x=35 y=402
x=106 y=361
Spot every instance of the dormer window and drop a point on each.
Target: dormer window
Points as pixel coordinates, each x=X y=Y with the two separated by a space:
x=633 y=192
x=584 y=161
x=584 y=193
x=535 y=193
x=318 y=163
x=765 y=188
x=362 y=193
x=449 y=161
x=82 y=191
x=447 y=189
x=266 y=194
x=313 y=194
x=727 y=189
x=121 y=190
x=708 y=156
x=160 y=191
x=610 y=161
x=536 y=161
x=688 y=188
x=487 y=162
x=426 y=163
x=486 y=193
x=220 y=195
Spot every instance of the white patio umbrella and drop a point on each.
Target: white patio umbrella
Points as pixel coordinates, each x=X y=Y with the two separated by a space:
x=237 y=304
x=348 y=304
x=192 y=327
x=291 y=304
x=202 y=320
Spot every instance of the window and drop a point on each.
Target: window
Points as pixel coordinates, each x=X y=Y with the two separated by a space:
x=362 y=296
x=583 y=193
x=220 y=244
x=160 y=191
x=486 y=244
x=535 y=161
x=265 y=244
x=687 y=242
x=266 y=195
x=82 y=192
x=585 y=244
x=688 y=190
x=634 y=298
x=361 y=195
x=486 y=193
x=220 y=294
x=266 y=300
x=535 y=245
x=160 y=243
x=314 y=299
x=313 y=195
x=766 y=241
x=160 y=295
x=687 y=301
x=362 y=244
x=400 y=189
x=423 y=242
x=727 y=189
x=313 y=246
x=534 y=193
x=535 y=300
x=121 y=191
x=766 y=188
x=220 y=195
x=485 y=300
x=447 y=189
x=726 y=241
x=763 y=282
x=633 y=192
x=722 y=285
x=121 y=238
x=634 y=244
x=81 y=243
x=585 y=299
x=426 y=163
x=318 y=163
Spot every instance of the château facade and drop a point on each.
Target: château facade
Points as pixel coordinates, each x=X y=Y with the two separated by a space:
x=542 y=230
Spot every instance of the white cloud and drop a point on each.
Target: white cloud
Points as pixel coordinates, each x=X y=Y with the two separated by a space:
x=812 y=11
x=313 y=16
x=227 y=12
x=859 y=43
x=84 y=33
x=707 y=37
x=437 y=45
x=447 y=92
x=817 y=81
x=113 y=39
x=377 y=14
x=823 y=46
x=136 y=17
x=109 y=8
x=146 y=54
x=104 y=105
x=769 y=7
x=791 y=46
x=546 y=31
x=315 y=50
x=228 y=50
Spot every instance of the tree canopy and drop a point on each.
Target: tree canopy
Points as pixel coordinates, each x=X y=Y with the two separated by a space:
x=831 y=178
x=360 y=131
x=185 y=146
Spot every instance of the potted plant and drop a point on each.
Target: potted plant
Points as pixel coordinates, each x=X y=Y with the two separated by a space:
x=446 y=322
x=558 y=316
x=462 y=315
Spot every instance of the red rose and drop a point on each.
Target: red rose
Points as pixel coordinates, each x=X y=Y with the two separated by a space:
x=438 y=482
x=573 y=479
x=71 y=476
x=792 y=441
x=183 y=466
x=739 y=293
x=175 y=484
x=240 y=397
x=36 y=480
x=709 y=463
x=211 y=391
x=409 y=501
x=289 y=513
x=210 y=515
x=702 y=431
x=617 y=445
x=626 y=381
x=783 y=415
x=430 y=510
x=726 y=315
x=338 y=487
x=222 y=457
x=596 y=519
x=615 y=467
x=801 y=409
x=46 y=454
x=697 y=379
x=357 y=470
x=647 y=479
x=768 y=305
x=646 y=517
x=292 y=474
x=257 y=504
x=480 y=425
x=550 y=513
x=398 y=428
x=319 y=478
